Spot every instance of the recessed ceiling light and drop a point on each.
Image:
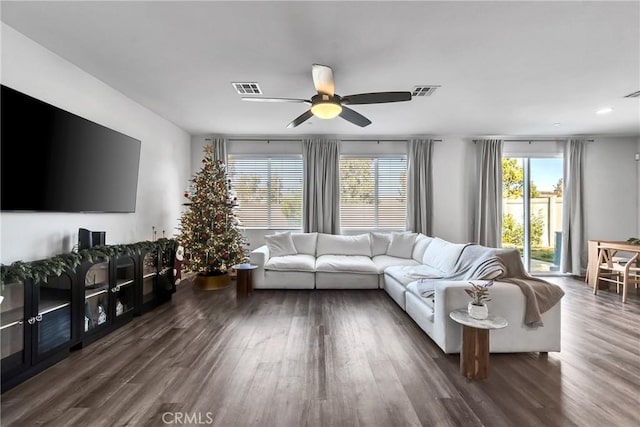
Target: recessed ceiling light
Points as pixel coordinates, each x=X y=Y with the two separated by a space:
x=604 y=110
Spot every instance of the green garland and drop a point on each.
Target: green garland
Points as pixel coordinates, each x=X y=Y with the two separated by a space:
x=41 y=270
x=633 y=241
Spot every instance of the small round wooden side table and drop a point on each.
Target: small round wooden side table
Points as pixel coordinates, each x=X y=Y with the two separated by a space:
x=474 y=354
x=244 y=279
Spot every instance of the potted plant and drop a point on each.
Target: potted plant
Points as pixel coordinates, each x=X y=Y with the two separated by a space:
x=209 y=228
x=479 y=294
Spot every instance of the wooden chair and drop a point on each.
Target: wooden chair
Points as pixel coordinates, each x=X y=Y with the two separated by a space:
x=607 y=268
x=630 y=273
x=621 y=271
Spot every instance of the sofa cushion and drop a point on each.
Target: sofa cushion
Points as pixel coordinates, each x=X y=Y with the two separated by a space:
x=379 y=243
x=305 y=243
x=299 y=262
x=413 y=288
x=345 y=264
x=420 y=246
x=280 y=244
x=401 y=245
x=331 y=244
x=442 y=255
x=406 y=274
x=384 y=261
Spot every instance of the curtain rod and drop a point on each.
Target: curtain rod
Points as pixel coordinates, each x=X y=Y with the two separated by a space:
x=257 y=139
x=533 y=140
x=300 y=139
x=386 y=140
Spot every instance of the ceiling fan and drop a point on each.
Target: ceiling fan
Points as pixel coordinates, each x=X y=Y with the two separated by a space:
x=326 y=104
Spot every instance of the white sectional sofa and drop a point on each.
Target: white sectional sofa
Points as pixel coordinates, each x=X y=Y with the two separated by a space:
x=396 y=262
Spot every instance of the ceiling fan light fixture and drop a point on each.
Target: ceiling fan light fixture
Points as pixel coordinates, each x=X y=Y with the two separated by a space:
x=326 y=110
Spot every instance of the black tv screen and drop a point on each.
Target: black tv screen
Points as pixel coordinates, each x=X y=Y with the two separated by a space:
x=55 y=161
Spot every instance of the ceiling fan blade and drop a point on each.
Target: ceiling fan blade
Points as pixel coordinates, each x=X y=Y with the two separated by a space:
x=356 y=118
x=300 y=119
x=376 y=98
x=262 y=99
x=323 y=79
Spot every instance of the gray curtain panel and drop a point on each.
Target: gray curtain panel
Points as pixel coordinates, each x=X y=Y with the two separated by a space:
x=488 y=212
x=219 y=149
x=574 y=245
x=321 y=186
x=419 y=186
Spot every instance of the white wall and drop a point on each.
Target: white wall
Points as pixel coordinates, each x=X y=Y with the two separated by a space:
x=611 y=188
x=165 y=157
x=454 y=188
x=638 y=175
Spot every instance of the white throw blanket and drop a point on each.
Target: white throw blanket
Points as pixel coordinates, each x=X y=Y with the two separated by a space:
x=478 y=262
x=474 y=263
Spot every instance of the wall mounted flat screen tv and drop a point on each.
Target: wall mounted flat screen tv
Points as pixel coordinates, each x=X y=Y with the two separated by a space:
x=55 y=161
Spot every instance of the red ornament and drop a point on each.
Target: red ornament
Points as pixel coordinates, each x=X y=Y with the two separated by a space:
x=186 y=194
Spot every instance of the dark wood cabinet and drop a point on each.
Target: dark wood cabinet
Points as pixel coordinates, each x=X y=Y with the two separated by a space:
x=157 y=279
x=107 y=296
x=40 y=323
x=37 y=326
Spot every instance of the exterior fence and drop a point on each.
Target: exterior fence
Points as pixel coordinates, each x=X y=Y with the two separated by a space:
x=546 y=206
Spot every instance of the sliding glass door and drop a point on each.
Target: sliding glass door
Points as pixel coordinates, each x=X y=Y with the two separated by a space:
x=532 y=210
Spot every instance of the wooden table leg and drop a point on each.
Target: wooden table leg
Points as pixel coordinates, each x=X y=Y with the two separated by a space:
x=592 y=262
x=474 y=355
x=242 y=289
x=249 y=282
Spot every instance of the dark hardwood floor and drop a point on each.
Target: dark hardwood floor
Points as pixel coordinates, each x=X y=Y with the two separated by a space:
x=333 y=358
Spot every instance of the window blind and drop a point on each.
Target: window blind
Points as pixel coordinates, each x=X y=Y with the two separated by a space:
x=269 y=190
x=373 y=192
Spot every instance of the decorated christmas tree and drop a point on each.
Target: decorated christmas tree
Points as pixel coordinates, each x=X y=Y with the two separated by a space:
x=209 y=227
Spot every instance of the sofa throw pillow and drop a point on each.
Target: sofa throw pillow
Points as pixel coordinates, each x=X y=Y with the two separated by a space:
x=442 y=255
x=401 y=245
x=379 y=243
x=420 y=246
x=305 y=243
x=280 y=244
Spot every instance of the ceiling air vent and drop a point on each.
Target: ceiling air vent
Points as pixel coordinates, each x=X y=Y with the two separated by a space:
x=633 y=95
x=423 y=90
x=247 y=88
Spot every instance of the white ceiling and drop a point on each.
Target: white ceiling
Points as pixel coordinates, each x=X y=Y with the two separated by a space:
x=506 y=68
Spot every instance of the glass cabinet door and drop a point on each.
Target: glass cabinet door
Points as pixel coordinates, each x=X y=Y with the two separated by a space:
x=12 y=324
x=149 y=272
x=96 y=296
x=53 y=318
x=165 y=275
x=124 y=288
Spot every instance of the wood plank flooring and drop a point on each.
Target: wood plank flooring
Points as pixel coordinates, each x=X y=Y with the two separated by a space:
x=333 y=358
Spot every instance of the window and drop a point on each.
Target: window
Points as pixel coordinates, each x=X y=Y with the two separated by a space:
x=373 y=192
x=269 y=190
x=533 y=224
